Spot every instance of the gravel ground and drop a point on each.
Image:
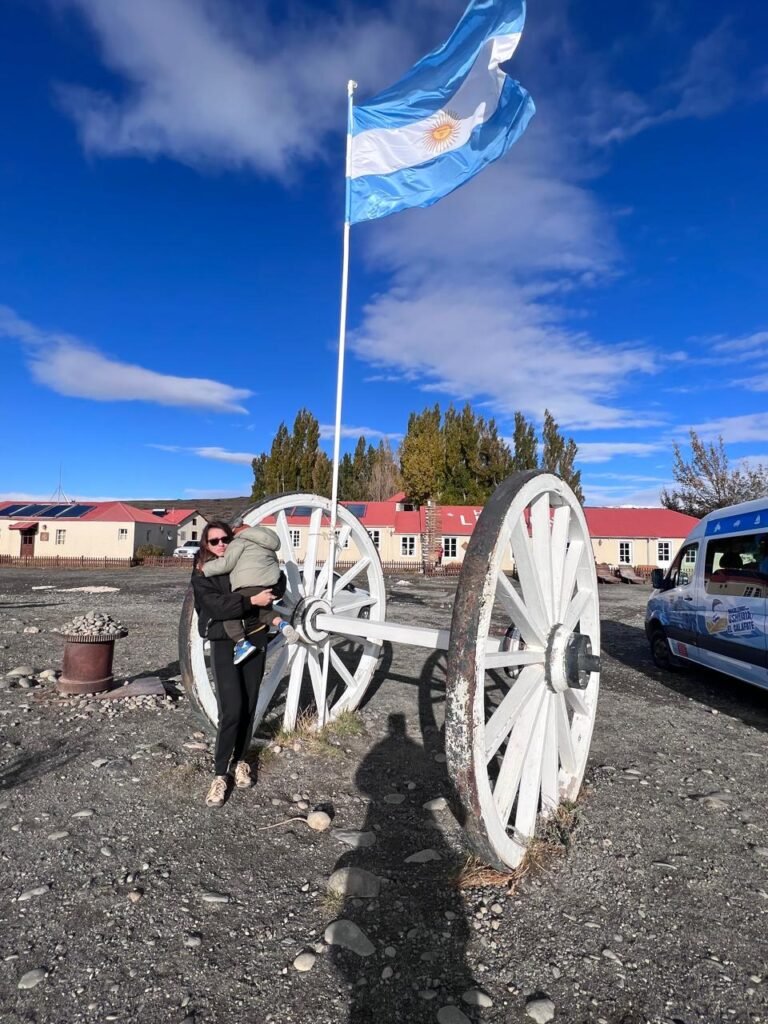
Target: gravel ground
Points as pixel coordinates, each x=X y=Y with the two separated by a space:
x=135 y=903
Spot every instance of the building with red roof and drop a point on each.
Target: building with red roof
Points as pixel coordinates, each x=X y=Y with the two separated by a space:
x=95 y=529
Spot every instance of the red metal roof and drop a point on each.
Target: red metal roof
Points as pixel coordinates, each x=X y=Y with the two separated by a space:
x=22 y=526
x=660 y=523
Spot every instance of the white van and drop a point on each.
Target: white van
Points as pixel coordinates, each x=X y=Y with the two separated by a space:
x=710 y=605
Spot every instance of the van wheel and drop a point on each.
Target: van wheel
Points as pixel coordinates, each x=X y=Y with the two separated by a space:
x=663 y=658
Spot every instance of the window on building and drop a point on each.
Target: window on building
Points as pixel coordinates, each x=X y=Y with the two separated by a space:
x=339 y=545
x=61 y=536
x=295 y=536
x=625 y=552
x=194 y=535
x=122 y=534
x=194 y=521
x=375 y=536
x=407 y=545
x=450 y=546
x=662 y=552
x=149 y=534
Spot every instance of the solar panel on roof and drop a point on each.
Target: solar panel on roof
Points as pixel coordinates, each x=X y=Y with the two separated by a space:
x=12 y=509
x=53 y=510
x=75 y=511
x=30 y=510
x=356 y=510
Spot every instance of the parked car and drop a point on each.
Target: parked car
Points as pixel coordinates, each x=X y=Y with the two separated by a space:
x=711 y=606
x=187 y=550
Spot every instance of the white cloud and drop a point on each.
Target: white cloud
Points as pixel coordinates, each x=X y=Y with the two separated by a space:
x=218 y=454
x=328 y=430
x=604 y=451
x=212 y=83
x=735 y=429
x=627 y=493
x=68 y=366
x=501 y=343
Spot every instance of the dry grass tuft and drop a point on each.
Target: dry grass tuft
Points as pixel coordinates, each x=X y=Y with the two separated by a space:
x=347 y=725
x=553 y=839
x=323 y=742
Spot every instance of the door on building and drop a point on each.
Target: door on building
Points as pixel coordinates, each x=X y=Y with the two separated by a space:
x=28 y=542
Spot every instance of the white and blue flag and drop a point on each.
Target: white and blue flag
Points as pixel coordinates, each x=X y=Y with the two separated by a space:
x=455 y=111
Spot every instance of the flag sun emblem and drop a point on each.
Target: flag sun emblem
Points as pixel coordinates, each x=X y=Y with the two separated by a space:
x=441 y=132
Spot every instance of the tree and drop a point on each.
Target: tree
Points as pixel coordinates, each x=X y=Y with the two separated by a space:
x=706 y=481
x=526 y=449
x=421 y=455
x=558 y=455
x=295 y=461
x=384 y=479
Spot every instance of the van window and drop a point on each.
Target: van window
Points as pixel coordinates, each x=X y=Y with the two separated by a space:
x=682 y=570
x=737 y=565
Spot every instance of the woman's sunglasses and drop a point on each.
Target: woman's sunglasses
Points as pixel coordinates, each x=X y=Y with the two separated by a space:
x=218 y=540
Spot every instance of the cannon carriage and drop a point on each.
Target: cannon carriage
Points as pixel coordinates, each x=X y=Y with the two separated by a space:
x=523 y=667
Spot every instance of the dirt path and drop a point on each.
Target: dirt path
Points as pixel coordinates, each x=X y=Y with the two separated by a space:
x=154 y=909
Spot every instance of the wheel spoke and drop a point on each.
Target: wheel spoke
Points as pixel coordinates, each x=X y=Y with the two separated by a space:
x=511 y=659
x=564 y=741
x=310 y=559
x=350 y=574
x=561 y=520
x=348 y=607
x=529 y=580
x=272 y=680
x=346 y=676
x=294 y=688
x=319 y=684
x=291 y=566
x=501 y=722
x=514 y=757
x=550 y=787
x=541 y=543
x=530 y=780
x=576 y=609
x=572 y=561
x=530 y=630
x=577 y=702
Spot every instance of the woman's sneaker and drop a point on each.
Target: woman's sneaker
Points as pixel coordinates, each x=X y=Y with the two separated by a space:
x=217 y=794
x=243 y=649
x=243 y=778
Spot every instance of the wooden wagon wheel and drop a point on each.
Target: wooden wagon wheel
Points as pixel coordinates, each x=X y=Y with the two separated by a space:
x=299 y=669
x=519 y=722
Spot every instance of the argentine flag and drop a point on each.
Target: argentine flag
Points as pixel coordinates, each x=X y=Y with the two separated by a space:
x=451 y=115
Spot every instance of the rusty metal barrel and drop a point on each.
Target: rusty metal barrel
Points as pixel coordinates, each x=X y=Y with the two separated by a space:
x=87 y=665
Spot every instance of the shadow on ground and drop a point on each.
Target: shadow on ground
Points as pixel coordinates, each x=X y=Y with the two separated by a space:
x=35 y=764
x=419 y=921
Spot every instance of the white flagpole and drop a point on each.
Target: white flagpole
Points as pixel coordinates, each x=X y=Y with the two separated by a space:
x=351 y=86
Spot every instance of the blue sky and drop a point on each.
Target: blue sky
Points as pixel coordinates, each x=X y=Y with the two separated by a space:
x=171 y=197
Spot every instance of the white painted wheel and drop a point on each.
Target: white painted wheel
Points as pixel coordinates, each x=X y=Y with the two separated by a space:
x=519 y=722
x=326 y=671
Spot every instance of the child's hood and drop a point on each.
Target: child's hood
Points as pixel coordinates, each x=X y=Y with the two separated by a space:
x=262 y=536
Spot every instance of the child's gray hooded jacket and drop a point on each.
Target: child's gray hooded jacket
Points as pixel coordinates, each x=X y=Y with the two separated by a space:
x=251 y=559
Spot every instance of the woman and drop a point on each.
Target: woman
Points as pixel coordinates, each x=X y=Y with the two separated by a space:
x=237 y=686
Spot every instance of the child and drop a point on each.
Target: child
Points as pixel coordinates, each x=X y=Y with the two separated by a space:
x=251 y=561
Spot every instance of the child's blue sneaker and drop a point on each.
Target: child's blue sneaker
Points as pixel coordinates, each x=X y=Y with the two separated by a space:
x=243 y=649
x=288 y=632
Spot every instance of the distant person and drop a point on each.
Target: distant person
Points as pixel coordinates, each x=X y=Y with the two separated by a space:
x=251 y=562
x=236 y=686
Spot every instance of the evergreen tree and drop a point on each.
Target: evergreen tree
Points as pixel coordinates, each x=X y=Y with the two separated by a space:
x=495 y=459
x=559 y=455
x=421 y=455
x=526 y=451
x=259 y=489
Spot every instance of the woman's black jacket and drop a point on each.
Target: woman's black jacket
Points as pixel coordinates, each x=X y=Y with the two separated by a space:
x=214 y=602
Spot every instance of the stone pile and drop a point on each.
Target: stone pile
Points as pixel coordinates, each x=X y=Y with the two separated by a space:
x=93 y=624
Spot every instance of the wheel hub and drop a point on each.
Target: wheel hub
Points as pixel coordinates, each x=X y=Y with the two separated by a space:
x=569 y=660
x=304 y=617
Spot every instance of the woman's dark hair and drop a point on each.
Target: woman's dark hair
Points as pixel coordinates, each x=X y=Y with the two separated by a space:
x=203 y=554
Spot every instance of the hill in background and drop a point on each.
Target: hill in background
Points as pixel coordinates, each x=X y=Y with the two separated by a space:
x=227 y=509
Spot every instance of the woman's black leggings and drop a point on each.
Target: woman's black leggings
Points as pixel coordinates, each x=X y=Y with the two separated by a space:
x=237 y=688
